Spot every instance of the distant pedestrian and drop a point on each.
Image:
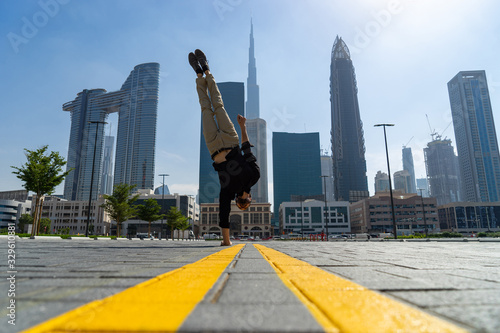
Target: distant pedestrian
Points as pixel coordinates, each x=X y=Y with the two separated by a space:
x=237 y=167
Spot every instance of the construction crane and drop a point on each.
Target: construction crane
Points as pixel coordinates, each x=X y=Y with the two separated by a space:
x=433 y=132
x=445 y=129
x=404 y=146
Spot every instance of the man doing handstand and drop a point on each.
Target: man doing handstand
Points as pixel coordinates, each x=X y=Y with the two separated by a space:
x=237 y=167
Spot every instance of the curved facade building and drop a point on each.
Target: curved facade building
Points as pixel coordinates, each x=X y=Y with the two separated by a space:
x=348 y=145
x=137 y=104
x=160 y=190
x=136 y=138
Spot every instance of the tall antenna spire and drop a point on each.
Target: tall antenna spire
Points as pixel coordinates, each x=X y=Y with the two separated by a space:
x=252 y=105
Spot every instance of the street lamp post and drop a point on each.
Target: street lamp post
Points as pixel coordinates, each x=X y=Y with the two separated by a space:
x=326 y=220
x=92 y=174
x=394 y=227
x=302 y=217
x=423 y=210
x=162 y=201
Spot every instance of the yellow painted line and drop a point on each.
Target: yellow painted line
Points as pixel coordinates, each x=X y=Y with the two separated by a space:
x=340 y=305
x=157 y=305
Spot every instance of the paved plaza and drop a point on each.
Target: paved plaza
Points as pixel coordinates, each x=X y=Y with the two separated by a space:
x=458 y=281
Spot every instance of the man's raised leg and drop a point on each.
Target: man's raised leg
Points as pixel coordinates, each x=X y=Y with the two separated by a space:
x=225 y=124
x=210 y=130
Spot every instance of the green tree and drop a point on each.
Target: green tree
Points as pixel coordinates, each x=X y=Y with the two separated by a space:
x=149 y=212
x=183 y=225
x=174 y=219
x=45 y=225
x=41 y=174
x=119 y=204
x=64 y=231
x=23 y=221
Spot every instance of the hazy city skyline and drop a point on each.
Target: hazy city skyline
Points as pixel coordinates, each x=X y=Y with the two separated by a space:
x=404 y=52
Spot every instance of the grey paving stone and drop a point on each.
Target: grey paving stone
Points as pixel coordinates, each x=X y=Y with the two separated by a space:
x=252 y=266
x=30 y=313
x=429 y=298
x=264 y=276
x=483 y=318
x=457 y=280
x=436 y=280
x=253 y=291
x=250 y=318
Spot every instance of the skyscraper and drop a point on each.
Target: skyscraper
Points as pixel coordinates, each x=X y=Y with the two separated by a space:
x=296 y=167
x=252 y=109
x=136 y=138
x=327 y=170
x=348 y=145
x=107 y=165
x=477 y=144
x=422 y=184
x=442 y=171
x=136 y=103
x=402 y=180
x=256 y=127
x=381 y=182
x=233 y=95
x=408 y=166
x=257 y=134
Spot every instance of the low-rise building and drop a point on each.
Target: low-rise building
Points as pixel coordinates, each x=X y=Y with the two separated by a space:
x=13 y=204
x=73 y=216
x=255 y=221
x=468 y=217
x=11 y=211
x=374 y=215
x=309 y=217
x=185 y=203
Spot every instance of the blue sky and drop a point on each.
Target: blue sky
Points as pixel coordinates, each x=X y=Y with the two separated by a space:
x=404 y=53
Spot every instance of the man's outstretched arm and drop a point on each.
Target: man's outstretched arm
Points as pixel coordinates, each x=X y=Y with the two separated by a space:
x=242 y=122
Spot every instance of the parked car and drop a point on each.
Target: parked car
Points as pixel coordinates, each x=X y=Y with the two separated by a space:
x=210 y=236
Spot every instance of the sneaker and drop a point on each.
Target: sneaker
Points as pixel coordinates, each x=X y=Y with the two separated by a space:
x=193 y=61
x=202 y=59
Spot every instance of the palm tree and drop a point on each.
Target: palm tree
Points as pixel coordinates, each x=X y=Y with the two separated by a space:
x=119 y=204
x=41 y=174
x=149 y=212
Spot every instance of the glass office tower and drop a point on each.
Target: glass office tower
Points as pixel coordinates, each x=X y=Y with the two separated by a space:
x=136 y=103
x=348 y=145
x=408 y=166
x=233 y=95
x=296 y=168
x=476 y=138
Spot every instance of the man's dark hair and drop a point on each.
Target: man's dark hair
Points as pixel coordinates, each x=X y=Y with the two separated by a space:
x=243 y=204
